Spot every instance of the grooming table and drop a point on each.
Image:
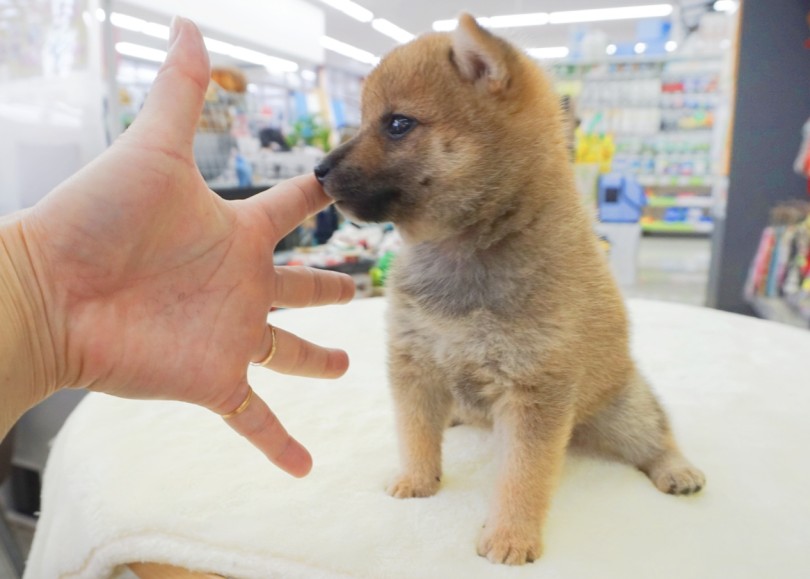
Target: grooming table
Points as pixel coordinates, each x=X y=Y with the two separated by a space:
x=165 y=482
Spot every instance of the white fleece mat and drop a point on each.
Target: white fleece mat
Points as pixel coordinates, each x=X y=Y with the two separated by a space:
x=171 y=483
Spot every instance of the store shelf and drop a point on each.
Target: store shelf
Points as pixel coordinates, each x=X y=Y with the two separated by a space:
x=677 y=227
x=676 y=181
x=680 y=201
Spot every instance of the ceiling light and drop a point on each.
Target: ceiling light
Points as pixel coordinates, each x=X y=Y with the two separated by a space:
x=729 y=6
x=351 y=9
x=505 y=21
x=101 y=16
x=392 y=30
x=640 y=48
x=611 y=49
x=126 y=22
x=309 y=75
x=515 y=20
x=271 y=63
x=566 y=17
x=156 y=30
x=348 y=50
x=142 y=52
x=601 y=14
x=671 y=46
x=549 y=52
x=445 y=25
x=137 y=25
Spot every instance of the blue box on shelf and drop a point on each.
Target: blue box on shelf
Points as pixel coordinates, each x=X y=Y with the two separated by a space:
x=620 y=198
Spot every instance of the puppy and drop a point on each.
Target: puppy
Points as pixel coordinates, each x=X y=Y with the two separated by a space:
x=502 y=309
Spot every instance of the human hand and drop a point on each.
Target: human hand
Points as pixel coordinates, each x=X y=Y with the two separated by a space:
x=154 y=287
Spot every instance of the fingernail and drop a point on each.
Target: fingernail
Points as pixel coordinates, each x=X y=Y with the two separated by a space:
x=174 y=30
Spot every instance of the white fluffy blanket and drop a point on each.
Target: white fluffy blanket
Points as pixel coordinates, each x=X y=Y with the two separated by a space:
x=168 y=482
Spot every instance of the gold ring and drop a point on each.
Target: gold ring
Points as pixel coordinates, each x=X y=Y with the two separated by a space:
x=241 y=408
x=266 y=359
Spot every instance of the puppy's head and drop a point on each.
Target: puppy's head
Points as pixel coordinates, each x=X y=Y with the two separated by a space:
x=448 y=125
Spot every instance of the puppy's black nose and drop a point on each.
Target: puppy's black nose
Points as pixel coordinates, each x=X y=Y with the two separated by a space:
x=321 y=171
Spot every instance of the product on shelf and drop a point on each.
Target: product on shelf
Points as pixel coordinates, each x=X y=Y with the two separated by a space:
x=660 y=116
x=780 y=269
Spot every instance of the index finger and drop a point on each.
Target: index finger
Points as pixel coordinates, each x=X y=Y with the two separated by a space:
x=290 y=202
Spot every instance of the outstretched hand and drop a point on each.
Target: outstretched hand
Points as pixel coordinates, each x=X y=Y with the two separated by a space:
x=154 y=287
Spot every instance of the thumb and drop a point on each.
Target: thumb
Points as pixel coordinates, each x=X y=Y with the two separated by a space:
x=172 y=110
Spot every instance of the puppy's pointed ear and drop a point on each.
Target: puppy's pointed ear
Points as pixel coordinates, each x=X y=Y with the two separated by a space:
x=480 y=56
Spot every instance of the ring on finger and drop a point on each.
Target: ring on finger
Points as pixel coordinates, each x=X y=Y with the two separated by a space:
x=241 y=408
x=266 y=360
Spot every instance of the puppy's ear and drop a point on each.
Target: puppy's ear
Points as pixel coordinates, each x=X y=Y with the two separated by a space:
x=480 y=56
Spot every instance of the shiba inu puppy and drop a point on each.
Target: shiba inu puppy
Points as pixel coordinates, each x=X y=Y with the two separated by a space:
x=502 y=308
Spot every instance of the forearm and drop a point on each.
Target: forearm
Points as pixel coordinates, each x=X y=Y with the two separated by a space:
x=25 y=378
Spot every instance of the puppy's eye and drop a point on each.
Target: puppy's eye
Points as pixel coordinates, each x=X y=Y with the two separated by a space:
x=399 y=125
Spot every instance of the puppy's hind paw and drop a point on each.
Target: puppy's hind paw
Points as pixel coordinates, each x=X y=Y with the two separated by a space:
x=407 y=486
x=508 y=547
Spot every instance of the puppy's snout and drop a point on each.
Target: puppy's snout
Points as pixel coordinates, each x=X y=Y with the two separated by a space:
x=322 y=170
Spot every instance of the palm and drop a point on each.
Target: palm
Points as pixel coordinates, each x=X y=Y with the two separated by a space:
x=154 y=287
x=172 y=280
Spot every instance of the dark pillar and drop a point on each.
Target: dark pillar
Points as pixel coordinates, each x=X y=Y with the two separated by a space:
x=772 y=103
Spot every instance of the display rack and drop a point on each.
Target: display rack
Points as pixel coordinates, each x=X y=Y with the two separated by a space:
x=778 y=283
x=662 y=115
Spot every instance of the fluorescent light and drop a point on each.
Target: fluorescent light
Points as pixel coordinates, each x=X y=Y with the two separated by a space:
x=138 y=51
x=351 y=9
x=601 y=14
x=126 y=22
x=640 y=48
x=549 y=52
x=505 y=21
x=445 y=25
x=565 y=17
x=671 y=46
x=348 y=50
x=272 y=63
x=611 y=49
x=391 y=30
x=729 y=6
x=101 y=16
x=156 y=30
x=309 y=75
x=138 y=25
x=515 y=20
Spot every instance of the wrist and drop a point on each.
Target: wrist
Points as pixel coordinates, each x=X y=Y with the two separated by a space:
x=27 y=361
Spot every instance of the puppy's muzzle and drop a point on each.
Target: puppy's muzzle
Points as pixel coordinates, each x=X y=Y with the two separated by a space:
x=322 y=170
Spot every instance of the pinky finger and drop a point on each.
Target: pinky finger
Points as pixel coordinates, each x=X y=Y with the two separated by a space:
x=254 y=420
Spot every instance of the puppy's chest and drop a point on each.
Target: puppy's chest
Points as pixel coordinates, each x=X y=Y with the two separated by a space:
x=465 y=318
x=455 y=287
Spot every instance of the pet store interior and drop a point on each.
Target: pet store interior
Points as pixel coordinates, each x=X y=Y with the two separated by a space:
x=688 y=124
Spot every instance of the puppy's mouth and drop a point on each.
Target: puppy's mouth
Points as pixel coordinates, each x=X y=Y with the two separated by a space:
x=366 y=204
x=362 y=196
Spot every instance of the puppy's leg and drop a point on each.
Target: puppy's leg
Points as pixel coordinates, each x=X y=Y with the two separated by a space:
x=635 y=429
x=422 y=404
x=533 y=438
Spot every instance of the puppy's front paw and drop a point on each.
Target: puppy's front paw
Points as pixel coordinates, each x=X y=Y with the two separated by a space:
x=676 y=476
x=408 y=486
x=681 y=480
x=509 y=546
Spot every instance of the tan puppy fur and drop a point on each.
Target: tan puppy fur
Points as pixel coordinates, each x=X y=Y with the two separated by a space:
x=502 y=309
